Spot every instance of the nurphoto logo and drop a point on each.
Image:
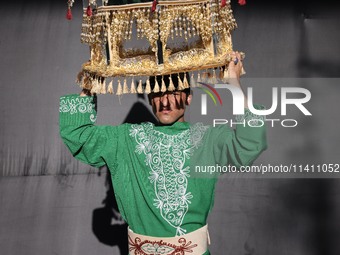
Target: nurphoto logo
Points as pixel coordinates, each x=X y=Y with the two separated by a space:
x=295 y=97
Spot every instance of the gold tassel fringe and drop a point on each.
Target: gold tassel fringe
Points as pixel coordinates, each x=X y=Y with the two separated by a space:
x=140 y=87
x=119 y=89
x=110 y=87
x=148 y=87
x=171 y=84
x=133 y=87
x=125 y=87
x=163 y=88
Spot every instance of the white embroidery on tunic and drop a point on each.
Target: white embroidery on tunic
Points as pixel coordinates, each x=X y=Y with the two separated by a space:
x=93 y=118
x=79 y=104
x=166 y=156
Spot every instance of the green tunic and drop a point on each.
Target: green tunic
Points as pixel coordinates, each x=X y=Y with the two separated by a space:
x=151 y=166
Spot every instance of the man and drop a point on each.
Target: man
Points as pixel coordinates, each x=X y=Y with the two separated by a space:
x=165 y=206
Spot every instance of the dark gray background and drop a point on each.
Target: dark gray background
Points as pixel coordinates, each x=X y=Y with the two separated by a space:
x=49 y=201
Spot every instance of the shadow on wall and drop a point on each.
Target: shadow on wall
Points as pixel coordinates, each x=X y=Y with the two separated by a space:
x=310 y=63
x=312 y=200
x=107 y=224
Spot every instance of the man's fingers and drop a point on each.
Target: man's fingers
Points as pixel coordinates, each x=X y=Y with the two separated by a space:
x=236 y=57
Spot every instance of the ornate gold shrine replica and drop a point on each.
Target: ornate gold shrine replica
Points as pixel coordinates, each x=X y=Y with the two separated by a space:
x=143 y=39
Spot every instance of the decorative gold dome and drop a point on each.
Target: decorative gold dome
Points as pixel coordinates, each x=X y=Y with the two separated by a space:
x=144 y=39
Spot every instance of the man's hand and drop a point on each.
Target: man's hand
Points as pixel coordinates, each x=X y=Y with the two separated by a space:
x=235 y=69
x=85 y=92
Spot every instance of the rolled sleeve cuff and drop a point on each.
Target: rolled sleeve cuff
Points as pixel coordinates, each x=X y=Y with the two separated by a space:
x=75 y=109
x=251 y=119
x=252 y=127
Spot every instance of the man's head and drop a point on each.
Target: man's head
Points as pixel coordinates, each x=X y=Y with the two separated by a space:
x=169 y=107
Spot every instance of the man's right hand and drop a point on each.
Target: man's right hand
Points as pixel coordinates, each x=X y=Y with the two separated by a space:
x=85 y=92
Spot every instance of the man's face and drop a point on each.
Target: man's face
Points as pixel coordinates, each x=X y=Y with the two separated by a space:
x=169 y=107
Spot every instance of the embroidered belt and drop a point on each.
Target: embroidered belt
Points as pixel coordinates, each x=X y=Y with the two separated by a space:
x=193 y=243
